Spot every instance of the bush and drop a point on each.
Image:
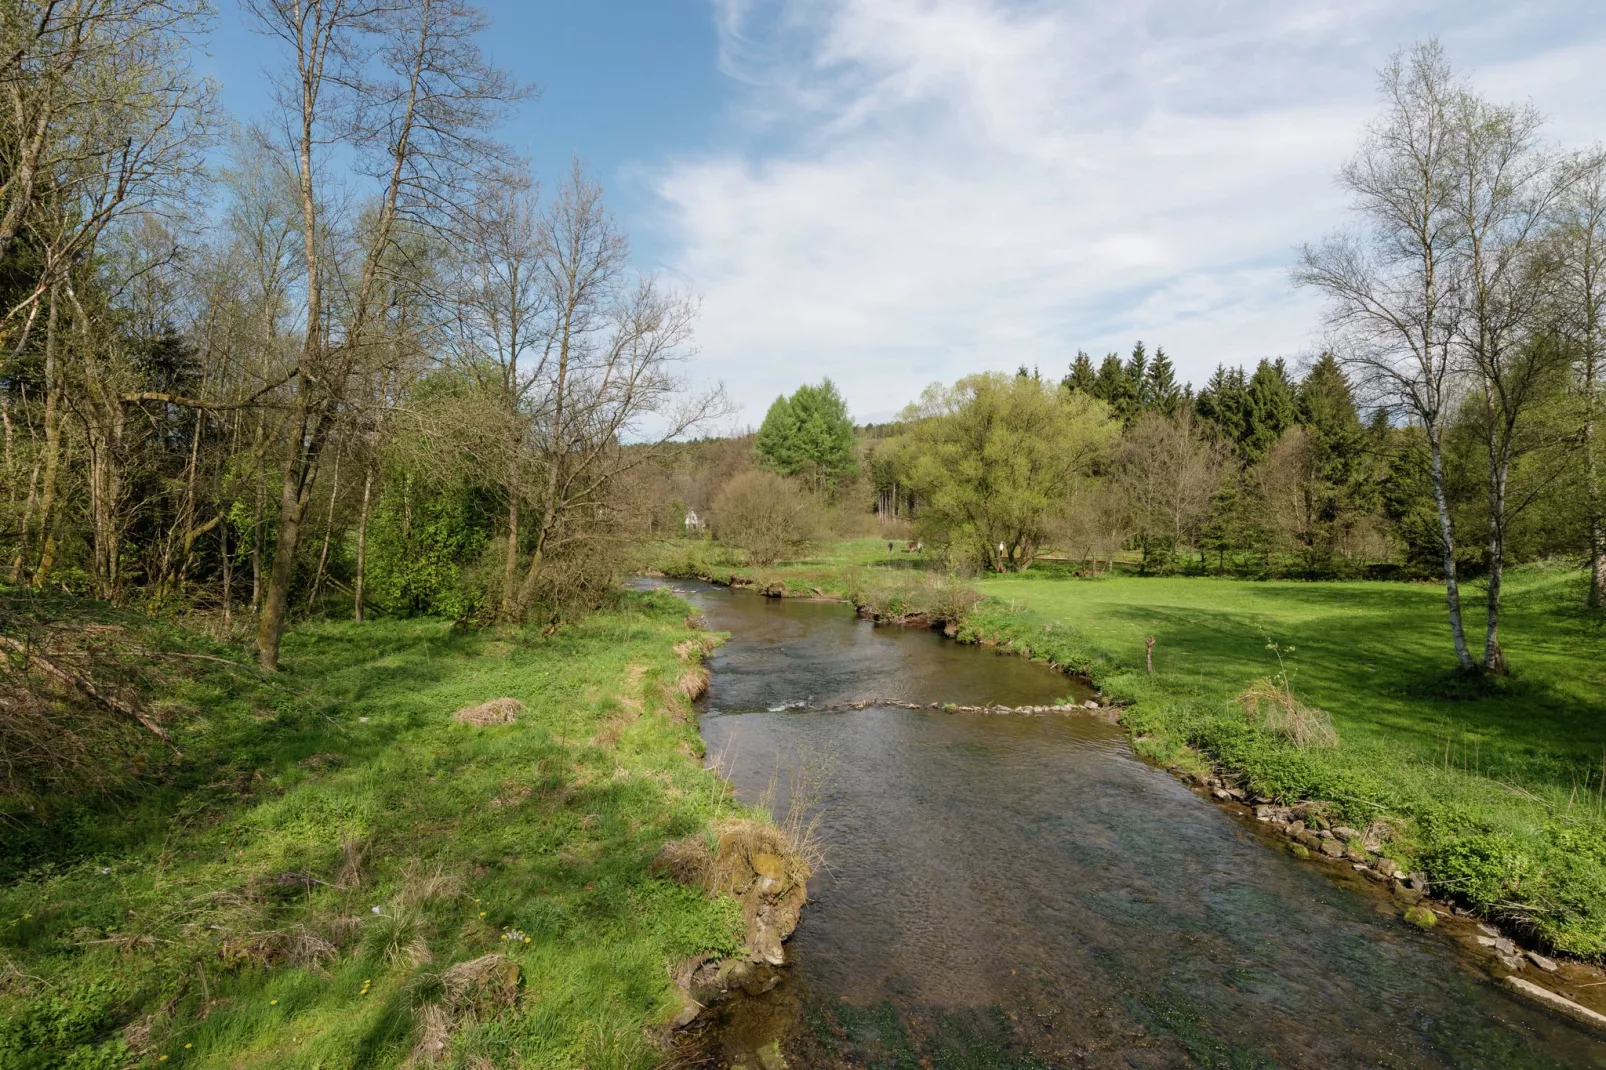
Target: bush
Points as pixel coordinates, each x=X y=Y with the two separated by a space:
x=765 y=516
x=936 y=597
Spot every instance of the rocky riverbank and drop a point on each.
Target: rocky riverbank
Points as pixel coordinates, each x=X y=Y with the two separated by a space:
x=1310 y=830
x=1371 y=858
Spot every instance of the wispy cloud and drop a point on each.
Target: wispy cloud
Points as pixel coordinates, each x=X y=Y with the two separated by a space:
x=929 y=187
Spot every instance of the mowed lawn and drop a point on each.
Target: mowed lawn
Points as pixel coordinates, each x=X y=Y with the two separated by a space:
x=1376 y=656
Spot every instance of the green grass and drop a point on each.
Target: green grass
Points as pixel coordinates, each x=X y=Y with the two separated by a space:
x=188 y=923
x=833 y=568
x=1496 y=783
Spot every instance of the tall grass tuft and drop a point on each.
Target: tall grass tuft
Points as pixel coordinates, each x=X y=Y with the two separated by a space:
x=1271 y=705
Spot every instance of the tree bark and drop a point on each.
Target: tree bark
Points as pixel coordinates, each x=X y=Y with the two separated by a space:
x=1452 y=587
x=510 y=572
x=328 y=528
x=275 y=607
x=362 y=546
x=1597 y=508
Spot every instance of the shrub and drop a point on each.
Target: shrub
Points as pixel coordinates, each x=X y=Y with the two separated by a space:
x=765 y=516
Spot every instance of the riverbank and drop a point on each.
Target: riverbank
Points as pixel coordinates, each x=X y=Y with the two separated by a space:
x=1490 y=788
x=338 y=872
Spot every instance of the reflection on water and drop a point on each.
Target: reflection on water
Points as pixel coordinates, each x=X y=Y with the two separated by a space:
x=1021 y=891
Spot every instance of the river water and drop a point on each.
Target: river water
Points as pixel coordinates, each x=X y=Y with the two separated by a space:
x=1020 y=891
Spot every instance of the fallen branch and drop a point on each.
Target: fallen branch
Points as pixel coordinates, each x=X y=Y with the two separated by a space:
x=78 y=683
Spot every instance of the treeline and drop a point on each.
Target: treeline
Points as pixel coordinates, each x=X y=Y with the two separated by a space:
x=1450 y=429
x=362 y=364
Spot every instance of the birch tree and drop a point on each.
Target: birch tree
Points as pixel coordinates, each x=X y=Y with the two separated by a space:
x=1391 y=282
x=1504 y=186
x=1579 y=244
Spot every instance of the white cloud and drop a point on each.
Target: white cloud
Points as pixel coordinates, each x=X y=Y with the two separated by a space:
x=925 y=188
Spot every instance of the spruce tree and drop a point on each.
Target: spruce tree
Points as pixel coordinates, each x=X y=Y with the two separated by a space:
x=1222 y=403
x=1082 y=377
x=1161 y=392
x=1269 y=408
x=1137 y=373
x=1112 y=387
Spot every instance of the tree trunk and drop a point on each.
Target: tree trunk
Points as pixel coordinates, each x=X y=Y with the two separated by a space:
x=328 y=527
x=228 y=578
x=1597 y=508
x=1494 y=660
x=510 y=573
x=256 y=520
x=1452 y=589
x=362 y=546
x=52 y=458
x=275 y=607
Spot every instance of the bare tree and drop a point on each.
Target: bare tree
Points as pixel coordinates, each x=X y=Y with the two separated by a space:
x=1580 y=255
x=1166 y=471
x=1505 y=187
x=1391 y=284
x=103 y=116
x=420 y=130
x=610 y=353
x=503 y=316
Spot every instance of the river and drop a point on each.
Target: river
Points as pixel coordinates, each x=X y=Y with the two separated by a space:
x=1021 y=891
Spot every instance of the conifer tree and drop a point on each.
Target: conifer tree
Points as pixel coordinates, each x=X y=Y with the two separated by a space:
x=809 y=434
x=1161 y=392
x=1082 y=377
x=1113 y=387
x=1137 y=373
x=1269 y=408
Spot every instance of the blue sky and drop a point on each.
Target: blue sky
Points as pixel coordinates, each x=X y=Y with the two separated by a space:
x=892 y=192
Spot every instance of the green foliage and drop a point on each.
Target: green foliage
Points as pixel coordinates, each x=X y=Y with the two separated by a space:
x=180 y=915
x=996 y=456
x=809 y=434
x=1485 y=779
x=420 y=544
x=68 y=1028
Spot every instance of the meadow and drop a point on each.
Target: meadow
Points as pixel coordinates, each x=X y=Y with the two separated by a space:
x=1495 y=787
x=297 y=888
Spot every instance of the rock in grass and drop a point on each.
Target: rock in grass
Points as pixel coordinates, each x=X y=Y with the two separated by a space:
x=1333 y=848
x=1299 y=850
x=1421 y=917
x=496 y=711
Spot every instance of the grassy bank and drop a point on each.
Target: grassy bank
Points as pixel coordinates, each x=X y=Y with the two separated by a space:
x=1495 y=786
x=302 y=887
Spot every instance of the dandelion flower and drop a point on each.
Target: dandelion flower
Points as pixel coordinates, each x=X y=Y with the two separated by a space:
x=273 y=1003
x=482 y=913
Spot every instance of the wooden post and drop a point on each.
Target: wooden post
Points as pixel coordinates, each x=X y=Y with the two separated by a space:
x=1148 y=653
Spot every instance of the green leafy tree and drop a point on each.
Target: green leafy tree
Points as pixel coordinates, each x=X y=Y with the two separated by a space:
x=809 y=434
x=997 y=456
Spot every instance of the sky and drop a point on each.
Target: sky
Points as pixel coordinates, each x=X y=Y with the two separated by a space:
x=896 y=192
